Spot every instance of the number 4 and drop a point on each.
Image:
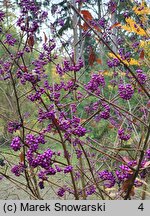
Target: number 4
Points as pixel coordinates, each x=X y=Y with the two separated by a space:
x=141 y=207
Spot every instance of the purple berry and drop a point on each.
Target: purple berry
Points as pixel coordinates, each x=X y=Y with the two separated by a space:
x=16 y=144
x=126 y=91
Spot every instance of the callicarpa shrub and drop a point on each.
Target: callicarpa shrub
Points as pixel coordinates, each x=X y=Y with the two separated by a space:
x=78 y=119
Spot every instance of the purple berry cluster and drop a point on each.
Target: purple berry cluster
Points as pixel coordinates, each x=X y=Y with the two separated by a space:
x=66 y=125
x=10 y=40
x=68 y=66
x=126 y=91
x=108 y=178
x=112 y=6
x=124 y=55
x=47 y=54
x=61 y=192
x=28 y=77
x=5 y=67
x=136 y=44
x=56 y=89
x=18 y=169
x=58 y=169
x=73 y=107
x=16 y=144
x=113 y=63
x=30 y=8
x=79 y=153
x=141 y=76
x=68 y=169
x=59 y=102
x=43 y=160
x=33 y=141
x=48 y=169
x=72 y=126
x=106 y=113
x=95 y=82
x=124 y=172
x=122 y=135
x=42 y=175
x=37 y=95
x=41 y=185
x=90 y=190
x=90 y=108
x=102 y=22
x=148 y=154
x=79 y=131
x=42 y=115
x=13 y=126
x=120 y=41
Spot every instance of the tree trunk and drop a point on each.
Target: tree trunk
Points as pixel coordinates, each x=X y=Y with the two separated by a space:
x=75 y=33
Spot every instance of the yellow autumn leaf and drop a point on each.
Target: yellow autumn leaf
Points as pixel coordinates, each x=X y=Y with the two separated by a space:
x=146 y=46
x=142 y=9
x=113 y=56
x=144 y=19
x=127 y=28
x=132 y=26
x=131 y=62
x=107 y=73
x=144 y=43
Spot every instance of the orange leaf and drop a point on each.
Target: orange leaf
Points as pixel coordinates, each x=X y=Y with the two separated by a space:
x=21 y=156
x=25 y=69
x=97 y=28
x=99 y=61
x=115 y=25
x=55 y=121
x=45 y=37
x=110 y=126
x=31 y=42
x=142 y=55
x=86 y=14
x=92 y=57
x=84 y=27
x=148 y=104
x=126 y=184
